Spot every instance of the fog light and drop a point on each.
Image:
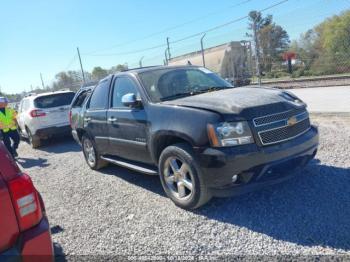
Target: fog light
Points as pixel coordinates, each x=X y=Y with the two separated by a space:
x=234 y=178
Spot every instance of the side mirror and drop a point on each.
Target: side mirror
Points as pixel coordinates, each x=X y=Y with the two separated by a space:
x=130 y=100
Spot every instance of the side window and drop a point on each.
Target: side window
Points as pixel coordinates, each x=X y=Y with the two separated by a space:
x=80 y=99
x=99 y=98
x=25 y=105
x=123 y=86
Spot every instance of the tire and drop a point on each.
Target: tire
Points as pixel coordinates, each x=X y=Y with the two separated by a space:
x=91 y=155
x=33 y=140
x=21 y=135
x=185 y=186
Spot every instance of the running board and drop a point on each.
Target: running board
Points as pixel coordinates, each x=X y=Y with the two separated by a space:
x=142 y=168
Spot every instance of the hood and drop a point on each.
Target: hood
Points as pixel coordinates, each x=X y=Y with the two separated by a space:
x=247 y=102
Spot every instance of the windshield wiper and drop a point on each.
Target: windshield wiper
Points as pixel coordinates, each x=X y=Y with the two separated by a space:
x=215 y=88
x=212 y=88
x=195 y=92
x=178 y=95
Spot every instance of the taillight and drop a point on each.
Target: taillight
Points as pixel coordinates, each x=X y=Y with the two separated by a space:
x=26 y=201
x=37 y=113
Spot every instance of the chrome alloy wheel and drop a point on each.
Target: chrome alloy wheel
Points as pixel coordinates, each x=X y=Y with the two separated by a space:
x=89 y=152
x=178 y=178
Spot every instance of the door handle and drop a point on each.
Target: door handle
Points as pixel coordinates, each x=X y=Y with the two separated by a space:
x=112 y=119
x=87 y=119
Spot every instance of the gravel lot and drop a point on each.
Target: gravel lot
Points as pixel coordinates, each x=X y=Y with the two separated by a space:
x=116 y=211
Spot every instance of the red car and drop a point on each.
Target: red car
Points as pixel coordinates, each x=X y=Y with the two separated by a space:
x=24 y=227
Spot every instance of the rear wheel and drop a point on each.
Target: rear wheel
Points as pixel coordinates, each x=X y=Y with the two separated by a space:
x=34 y=140
x=181 y=177
x=91 y=155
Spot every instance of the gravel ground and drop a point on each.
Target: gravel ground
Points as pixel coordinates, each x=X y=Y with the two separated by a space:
x=116 y=211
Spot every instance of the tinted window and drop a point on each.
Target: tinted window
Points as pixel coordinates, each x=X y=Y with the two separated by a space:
x=99 y=98
x=123 y=86
x=80 y=99
x=55 y=100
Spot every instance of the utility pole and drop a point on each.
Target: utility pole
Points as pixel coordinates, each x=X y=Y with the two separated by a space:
x=167 y=41
x=257 y=51
x=202 y=48
x=140 y=62
x=42 y=81
x=166 y=57
x=81 y=66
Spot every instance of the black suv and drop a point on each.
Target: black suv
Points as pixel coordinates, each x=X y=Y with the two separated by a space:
x=201 y=135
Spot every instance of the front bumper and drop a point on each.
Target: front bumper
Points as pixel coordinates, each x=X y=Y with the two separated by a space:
x=53 y=131
x=255 y=166
x=34 y=244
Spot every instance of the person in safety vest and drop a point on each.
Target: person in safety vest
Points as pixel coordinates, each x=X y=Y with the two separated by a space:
x=8 y=127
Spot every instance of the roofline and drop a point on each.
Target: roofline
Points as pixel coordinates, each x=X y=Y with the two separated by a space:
x=49 y=93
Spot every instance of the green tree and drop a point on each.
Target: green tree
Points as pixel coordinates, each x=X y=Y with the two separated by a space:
x=272 y=40
x=99 y=73
x=325 y=49
x=67 y=80
x=118 y=68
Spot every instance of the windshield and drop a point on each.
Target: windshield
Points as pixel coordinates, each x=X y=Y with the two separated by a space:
x=167 y=84
x=55 y=100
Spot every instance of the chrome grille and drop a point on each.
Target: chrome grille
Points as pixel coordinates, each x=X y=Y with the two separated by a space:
x=265 y=120
x=276 y=128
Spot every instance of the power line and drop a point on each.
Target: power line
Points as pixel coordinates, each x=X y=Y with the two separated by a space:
x=193 y=35
x=71 y=62
x=168 y=29
x=227 y=23
x=131 y=52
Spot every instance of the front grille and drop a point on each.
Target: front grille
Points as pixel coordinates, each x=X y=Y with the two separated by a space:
x=283 y=126
x=284 y=133
x=266 y=120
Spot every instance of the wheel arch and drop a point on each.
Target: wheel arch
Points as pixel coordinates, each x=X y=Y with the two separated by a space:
x=164 y=139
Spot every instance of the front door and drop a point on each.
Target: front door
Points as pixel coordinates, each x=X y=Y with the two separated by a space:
x=128 y=127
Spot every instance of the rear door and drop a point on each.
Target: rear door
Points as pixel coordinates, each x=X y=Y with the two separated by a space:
x=76 y=108
x=55 y=107
x=127 y=126
x=8 y=222
x=95 y=117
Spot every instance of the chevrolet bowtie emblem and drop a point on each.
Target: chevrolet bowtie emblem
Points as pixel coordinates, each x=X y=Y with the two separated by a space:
x=292 y=121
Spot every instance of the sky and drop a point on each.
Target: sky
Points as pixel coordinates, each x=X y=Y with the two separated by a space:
x=42 y=36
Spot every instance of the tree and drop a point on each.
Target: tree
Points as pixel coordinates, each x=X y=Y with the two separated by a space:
x=67 y=80
x=99 y=73
x=325 y=49
x=270 y=40
x=118 y=68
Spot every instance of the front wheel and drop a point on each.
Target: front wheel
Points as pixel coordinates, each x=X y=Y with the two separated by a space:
x=181 y=177
x=91 y=155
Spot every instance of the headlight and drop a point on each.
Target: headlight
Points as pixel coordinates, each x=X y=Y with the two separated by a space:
x=229 y=134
